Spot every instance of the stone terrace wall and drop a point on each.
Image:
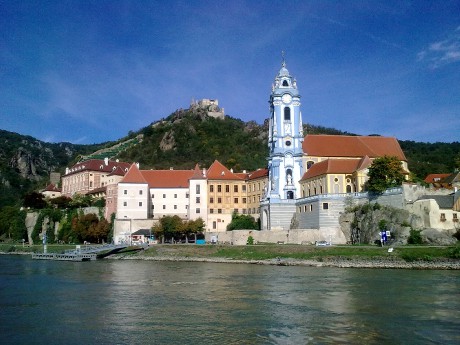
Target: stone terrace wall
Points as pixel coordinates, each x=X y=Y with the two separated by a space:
x=298 y=236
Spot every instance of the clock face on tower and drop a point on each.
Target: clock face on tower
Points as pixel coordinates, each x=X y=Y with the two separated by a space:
x=286 y=98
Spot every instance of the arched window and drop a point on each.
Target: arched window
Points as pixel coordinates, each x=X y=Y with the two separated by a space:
x=348 y=188
x=285 y=83
x=309 y=164
x=287 y=114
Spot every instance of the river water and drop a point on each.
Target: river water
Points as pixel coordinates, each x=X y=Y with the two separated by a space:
x=147 y=302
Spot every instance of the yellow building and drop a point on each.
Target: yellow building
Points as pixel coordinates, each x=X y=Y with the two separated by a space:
x=339 y=164
x=226 y=195
x=256 y=190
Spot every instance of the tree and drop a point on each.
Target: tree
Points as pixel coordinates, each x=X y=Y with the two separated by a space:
x=12 y=223
x=80 y=200
x=194 y=226
x=89 y=228
x=61 y=202
x=34 y=200
x=385 y=172
x=242 y=221
x=168 y=226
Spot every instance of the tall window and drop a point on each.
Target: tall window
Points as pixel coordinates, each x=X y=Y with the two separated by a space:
x=227 y=188
x=287 y=114
x=235 y=188
x=211 y=188
x=219 y=188
x=197 y=189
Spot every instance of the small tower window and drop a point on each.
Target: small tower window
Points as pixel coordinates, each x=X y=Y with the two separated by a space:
x=287 y=114
x=285 y=83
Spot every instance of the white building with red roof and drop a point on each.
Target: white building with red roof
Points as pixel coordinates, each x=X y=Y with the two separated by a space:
x=51 y=191
x=214 y=194
x=85 y=176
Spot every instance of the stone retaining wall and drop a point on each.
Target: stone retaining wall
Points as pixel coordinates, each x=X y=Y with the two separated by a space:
x=298 y=236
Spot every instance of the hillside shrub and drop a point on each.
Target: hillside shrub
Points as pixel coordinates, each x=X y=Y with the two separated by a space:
x=454 y=253
x=415 y=237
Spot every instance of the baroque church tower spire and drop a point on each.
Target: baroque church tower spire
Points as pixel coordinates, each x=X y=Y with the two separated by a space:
x=285 y=138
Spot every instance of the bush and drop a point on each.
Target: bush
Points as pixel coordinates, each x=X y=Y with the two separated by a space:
x=250 y=240
x=457 y=235
x=242 y=221
x=415 y=237
x=454 y=253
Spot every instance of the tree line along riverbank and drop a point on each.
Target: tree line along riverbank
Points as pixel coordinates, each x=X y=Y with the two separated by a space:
x=447 y=257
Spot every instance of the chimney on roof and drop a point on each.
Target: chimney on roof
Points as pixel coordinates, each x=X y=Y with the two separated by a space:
x=171 y=168
x=231 y=170
x=106 y=161
x=204 y=172
x=244 y=171
x=137 y=164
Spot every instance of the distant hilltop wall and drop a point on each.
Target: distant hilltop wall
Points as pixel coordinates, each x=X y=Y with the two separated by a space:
x=210 y=105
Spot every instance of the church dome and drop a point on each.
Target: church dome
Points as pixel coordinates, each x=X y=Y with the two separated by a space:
x=283 y=71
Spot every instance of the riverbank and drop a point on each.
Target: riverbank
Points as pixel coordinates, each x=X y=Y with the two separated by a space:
x=403 y=257
x=298 y=255
x=330 y=262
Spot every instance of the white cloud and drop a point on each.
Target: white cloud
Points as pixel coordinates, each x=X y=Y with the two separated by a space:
x=442 y=52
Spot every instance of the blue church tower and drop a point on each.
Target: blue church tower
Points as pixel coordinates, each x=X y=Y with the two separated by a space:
x=285 y=139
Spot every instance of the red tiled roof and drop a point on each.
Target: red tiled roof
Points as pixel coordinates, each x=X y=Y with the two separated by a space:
x=98 y=165
x=119 y=171
x=432 y=178
x=258 y=174
x=351 y=146
x=167 y=178
x=197 y=173
x=133 y=175
x=243 y=175
x=332 y=166
x=217 y=171
x=51 y=188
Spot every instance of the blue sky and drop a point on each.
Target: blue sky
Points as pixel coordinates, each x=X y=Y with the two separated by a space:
x=90 y=71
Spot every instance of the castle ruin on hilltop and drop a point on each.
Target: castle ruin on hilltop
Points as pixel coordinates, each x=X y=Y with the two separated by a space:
x=210 y=105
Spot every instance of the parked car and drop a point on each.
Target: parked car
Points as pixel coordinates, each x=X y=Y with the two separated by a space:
x=322 y=243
